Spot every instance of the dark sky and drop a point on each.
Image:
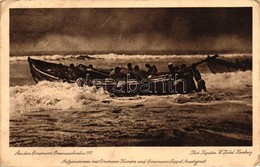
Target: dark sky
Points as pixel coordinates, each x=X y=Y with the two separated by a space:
x=131 y=30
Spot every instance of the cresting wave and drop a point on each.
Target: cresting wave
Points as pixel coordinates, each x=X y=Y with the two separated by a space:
x=63 y=96
x=229 y=81
x=113 y=56
x=44 y=57
x=53 y=95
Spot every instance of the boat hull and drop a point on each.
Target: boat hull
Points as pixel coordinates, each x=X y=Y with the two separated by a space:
x=42 y=70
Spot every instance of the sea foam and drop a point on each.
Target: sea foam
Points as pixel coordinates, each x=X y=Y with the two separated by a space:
x=113 y=56
x=239 y=80
x=53 y=95
x=63 y=96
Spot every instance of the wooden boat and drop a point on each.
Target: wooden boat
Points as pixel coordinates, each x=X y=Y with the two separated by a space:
x=159 y=84
x=42 y=70
x=221 y=66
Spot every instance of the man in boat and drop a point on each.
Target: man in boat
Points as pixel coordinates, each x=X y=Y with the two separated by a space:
x=183 y=66
x=128 y=71
x=139 y=74
x=130 y=67
x=191 y=86
x=152 y=70
x=74 y=73
x=171 y=68
x=82 y=68
x=60 y=72
x=90 y=66
x=182 y=72
x=117 y=74
x=200 y=82
x=175 y=72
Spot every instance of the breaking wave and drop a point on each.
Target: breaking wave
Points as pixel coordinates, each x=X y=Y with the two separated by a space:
x=53 y=95
x=229 y=81
x=48 y=57
x=63 y=96
x=234 y=86
x=113 y=56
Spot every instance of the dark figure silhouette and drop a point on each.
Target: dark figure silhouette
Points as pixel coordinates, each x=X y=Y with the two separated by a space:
x=90 y=66
x=130 y=67
x=74 y=73
x=129 y=71
x=60 y=71
x=152 y=70
x=171 y=68
x=200 y=82
x=117 y=74
x=139 y=74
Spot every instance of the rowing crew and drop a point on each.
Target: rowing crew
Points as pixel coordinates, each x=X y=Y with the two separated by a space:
x=133 y=72
x=119 y=73
x=177 y=72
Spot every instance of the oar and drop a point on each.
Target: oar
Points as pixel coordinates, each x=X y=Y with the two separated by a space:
x=200 y=62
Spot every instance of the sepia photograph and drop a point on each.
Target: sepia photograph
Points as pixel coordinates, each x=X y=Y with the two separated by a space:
x=130 y=77
x=129 y=83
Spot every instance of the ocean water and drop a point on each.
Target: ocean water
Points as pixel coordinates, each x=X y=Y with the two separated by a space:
x=228 y=102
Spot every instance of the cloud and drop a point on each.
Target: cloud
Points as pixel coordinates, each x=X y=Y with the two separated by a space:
x=136 y=29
